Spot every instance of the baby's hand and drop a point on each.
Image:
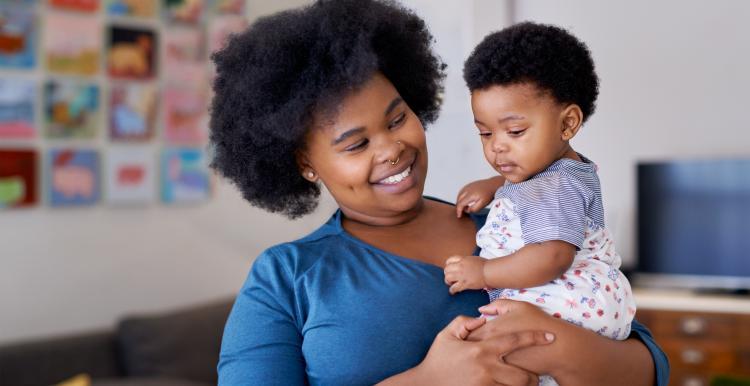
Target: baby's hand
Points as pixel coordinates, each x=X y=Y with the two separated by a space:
x=476 y=195
x=464 y=272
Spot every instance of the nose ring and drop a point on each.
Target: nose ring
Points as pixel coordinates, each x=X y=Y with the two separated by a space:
x=399 y=157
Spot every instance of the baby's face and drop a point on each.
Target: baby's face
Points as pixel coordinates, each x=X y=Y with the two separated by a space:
x=522 y=129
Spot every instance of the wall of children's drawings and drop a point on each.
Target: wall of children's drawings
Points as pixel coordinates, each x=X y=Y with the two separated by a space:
x=105 y=101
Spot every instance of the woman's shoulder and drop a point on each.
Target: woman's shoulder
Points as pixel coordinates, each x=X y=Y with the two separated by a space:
x=479 y=217
x=298 y=255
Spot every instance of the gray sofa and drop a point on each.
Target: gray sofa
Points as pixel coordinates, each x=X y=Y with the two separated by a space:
x=179 y=348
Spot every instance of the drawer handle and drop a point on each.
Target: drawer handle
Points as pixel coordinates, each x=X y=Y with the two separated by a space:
x=693 y=326
x=692 y=356
x=693 y=381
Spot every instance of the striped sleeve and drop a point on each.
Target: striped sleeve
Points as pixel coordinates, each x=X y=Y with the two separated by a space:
x=552 y=208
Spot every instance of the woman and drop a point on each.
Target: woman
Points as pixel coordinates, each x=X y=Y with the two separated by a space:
x=336 y=94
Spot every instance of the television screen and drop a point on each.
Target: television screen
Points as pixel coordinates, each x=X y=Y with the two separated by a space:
x=694 y=223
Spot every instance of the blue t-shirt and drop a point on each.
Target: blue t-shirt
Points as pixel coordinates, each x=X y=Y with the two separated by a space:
x=329 y=309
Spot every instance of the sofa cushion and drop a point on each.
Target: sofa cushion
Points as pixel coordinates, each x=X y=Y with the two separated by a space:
x=146 y=381
x=45 y=361
x=183 y=344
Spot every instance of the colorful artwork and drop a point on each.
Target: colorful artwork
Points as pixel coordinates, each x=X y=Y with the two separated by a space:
x=186 y=115
x=17 y=98
x=72 y=44
x=232 y=7
x=184 y=11
x=17 y=37
x=185 y=176
x=131 y=8
x=71 y=109
x=132 y=111
x=185 y=56
x=76 y=5
x=18 y=176
x=73 y=177
x=131 y=175
x=131 y=53
x=221 y=28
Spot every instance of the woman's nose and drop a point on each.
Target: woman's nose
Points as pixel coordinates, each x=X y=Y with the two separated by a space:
x=391 y=152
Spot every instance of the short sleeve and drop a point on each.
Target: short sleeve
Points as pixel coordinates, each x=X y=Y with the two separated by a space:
x=262 y=343
x=552 y=208
x=661 y=363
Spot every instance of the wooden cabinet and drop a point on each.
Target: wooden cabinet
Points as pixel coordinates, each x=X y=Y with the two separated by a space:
x=701 y=345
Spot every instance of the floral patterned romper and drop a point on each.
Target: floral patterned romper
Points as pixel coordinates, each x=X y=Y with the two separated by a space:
x=563 y=203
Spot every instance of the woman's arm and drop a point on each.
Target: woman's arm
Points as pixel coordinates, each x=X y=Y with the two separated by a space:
x=262 y=343
x=578 y=356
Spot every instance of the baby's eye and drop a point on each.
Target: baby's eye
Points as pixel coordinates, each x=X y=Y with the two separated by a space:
x=516 y=132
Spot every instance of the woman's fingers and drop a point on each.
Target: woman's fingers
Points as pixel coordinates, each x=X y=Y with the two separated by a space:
x=508 y=343
x=509 y=375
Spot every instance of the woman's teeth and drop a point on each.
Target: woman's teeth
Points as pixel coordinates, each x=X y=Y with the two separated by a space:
x=395 y=179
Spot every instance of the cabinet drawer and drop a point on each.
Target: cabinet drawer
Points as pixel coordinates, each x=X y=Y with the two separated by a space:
x=703 y=356
x=668 y=324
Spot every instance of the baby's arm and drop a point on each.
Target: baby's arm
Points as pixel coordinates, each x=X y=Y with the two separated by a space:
x=530 y=266
x=476 y=195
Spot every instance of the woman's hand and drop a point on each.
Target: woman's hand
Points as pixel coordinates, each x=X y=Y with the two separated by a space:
x=452 y=360
x=577 y=357
x=476 y=195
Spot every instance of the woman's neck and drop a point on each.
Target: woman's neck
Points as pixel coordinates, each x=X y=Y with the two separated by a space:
x=356 y=218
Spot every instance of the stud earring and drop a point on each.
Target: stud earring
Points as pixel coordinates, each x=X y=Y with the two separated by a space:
x=311 y=174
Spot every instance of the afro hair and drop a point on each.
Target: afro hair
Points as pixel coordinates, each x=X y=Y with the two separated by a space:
x=274 y=77
x=546 y=56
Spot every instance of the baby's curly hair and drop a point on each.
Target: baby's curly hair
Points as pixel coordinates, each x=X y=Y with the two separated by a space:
x=273 y=78
x=547 y=56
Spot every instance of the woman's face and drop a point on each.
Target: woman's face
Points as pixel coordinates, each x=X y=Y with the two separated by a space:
x=371 y=154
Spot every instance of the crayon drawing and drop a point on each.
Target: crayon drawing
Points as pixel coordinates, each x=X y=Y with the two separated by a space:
x=72 y=44
x=131 y=8
x=18 y=178
x=17 y=37
x=131 y=175
x=132 y=112
x=131 y=53
x=17 y=99
x=71 y=109
x=73 y=177
x=184 y=176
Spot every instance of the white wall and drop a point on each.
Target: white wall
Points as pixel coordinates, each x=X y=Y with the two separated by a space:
x=674 y=84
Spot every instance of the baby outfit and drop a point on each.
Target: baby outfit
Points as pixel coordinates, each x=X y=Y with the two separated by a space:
x=563 y=202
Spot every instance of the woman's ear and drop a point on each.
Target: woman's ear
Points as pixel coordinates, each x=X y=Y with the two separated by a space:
x=305 y=167
x=572 y=119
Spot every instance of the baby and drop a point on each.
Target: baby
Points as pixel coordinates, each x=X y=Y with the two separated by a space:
x=545 y=242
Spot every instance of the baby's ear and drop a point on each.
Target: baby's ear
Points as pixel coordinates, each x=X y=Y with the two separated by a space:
x=572 y=119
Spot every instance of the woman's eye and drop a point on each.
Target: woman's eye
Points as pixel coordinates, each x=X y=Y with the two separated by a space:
x=399 y=120
x=516 y=133
x=485 y=134
x=359 y=145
